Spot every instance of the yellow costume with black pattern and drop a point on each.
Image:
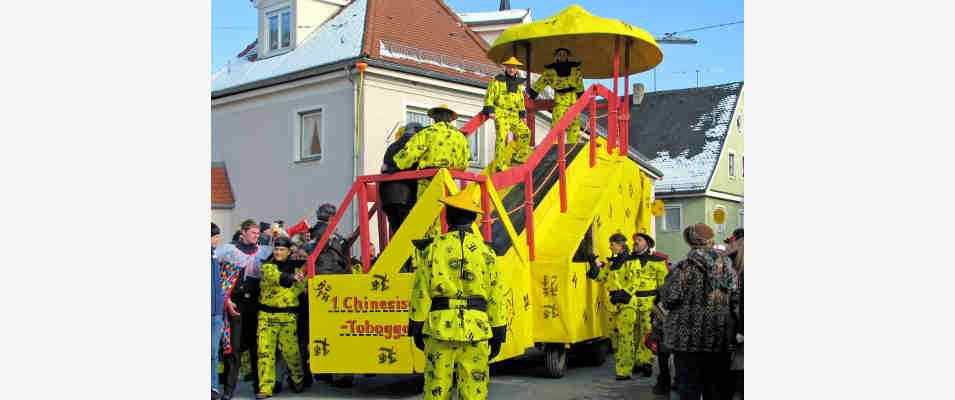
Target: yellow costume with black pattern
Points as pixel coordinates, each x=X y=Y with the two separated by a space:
x=567 y=80
x=278 y=329
x=505 y=98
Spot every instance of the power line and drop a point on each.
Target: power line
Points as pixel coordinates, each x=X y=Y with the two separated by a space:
x=704 y=27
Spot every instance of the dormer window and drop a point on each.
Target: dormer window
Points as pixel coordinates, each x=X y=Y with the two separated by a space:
x=279 y=29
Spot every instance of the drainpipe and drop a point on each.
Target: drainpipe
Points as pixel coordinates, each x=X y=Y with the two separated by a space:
x=359 y=129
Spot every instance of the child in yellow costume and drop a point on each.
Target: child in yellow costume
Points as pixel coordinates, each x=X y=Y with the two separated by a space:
x=567 y=81
x=282 y=282
x=504 y=103
x=457 y=306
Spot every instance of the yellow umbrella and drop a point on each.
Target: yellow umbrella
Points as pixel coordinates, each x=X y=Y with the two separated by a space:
x=589 y=38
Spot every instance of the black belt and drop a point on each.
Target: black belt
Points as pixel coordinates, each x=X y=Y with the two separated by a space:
x=645 y=293
x=471 y=303
x=566 y=90
x=270 y=309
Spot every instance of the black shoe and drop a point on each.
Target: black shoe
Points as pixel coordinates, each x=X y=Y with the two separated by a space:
x=623 y=377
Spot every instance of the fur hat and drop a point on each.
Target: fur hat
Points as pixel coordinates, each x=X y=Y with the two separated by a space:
x=650 y=242
x=698 y=235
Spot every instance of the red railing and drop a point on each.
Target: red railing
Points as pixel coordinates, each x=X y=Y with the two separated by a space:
x=365 y=188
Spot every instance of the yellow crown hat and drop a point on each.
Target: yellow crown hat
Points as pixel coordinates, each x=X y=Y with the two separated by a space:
x=513 y=61
x=465 y=199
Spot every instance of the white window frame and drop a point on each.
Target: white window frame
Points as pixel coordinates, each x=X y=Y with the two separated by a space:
x=277 y=11
x=731 y=164
x=298 y=116
x=478 y=161
x=666 y=207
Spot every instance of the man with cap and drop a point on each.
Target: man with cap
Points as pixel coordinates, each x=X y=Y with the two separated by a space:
x=567 y=80
x=283 y=280
x=458 y=306
x=440 y=145
x=504 y=103
x=697 y=296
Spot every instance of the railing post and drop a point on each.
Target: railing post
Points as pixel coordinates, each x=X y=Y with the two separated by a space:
x=625 y=115
x=593 y=129
x=363 y=227
x=486 y=206
x=562 y=168
x=613 y=103
x=529 y=212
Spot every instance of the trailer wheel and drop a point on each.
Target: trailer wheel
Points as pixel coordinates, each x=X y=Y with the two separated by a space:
x=555 y=360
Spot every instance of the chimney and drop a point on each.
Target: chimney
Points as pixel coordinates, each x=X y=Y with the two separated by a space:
x=505 y=5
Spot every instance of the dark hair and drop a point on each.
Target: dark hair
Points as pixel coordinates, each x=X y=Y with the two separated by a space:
x=236 y=236
x=618 y=238
x=283 y=241
x=215 y=229
x=248 y=224
x=458 y=217
x=442 y=115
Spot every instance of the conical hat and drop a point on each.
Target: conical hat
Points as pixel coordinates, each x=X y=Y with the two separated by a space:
x=513 y=61
x=465 y=200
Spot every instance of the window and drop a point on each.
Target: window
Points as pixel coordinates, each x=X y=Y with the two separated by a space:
x=741 y=218
x=420 y=115
x=672 y=218
x=720 y=228
x=310 y=136
x=739 y=124
x=280 y=29
x=732 y=164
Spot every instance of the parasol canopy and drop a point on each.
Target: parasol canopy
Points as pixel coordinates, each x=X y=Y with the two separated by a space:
x=589 y=38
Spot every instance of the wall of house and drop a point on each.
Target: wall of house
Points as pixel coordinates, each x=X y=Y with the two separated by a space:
x=722 y=182
x=671 y=241
x=227 y=225
x=257 y=137
x=732 y=221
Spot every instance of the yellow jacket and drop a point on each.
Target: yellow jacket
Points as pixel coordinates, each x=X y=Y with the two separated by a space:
x=438 y=146
x=458 y=265
x=573 y=82
x=500 y=100
x=639 y=273
x=277 y=290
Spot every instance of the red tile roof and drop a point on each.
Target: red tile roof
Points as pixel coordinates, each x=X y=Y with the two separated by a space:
x=428 y=25
x=221 y=188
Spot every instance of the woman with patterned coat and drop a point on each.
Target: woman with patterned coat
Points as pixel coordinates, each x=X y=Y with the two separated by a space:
x=697 y=296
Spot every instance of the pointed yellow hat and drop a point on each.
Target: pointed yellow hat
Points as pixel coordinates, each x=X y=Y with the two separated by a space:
x=465 y=199
x=513 y=61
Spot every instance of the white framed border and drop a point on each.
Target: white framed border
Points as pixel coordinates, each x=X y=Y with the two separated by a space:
x=297 y=133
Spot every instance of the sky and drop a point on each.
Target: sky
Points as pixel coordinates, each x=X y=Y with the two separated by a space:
x=718 y=55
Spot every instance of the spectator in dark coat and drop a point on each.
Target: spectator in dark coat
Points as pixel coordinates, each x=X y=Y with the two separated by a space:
x=697 y=325
x=217 y=319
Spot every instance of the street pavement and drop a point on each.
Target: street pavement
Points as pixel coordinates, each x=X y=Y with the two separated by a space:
x=519 y=378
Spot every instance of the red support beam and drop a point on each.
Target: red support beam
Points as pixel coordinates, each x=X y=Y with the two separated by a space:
x=625 y=115
x=529 y=213
x=363 y=227
x=486 y=207
x=593 y=131
x=615 y=100
x=562 y=168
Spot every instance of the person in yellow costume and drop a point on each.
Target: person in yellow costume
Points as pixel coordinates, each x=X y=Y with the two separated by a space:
x=567 y=81
x=457 y=306
x=647 y=274
x=504 y=103
x=632 y=280
x=283 y=280
x=440 y=145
